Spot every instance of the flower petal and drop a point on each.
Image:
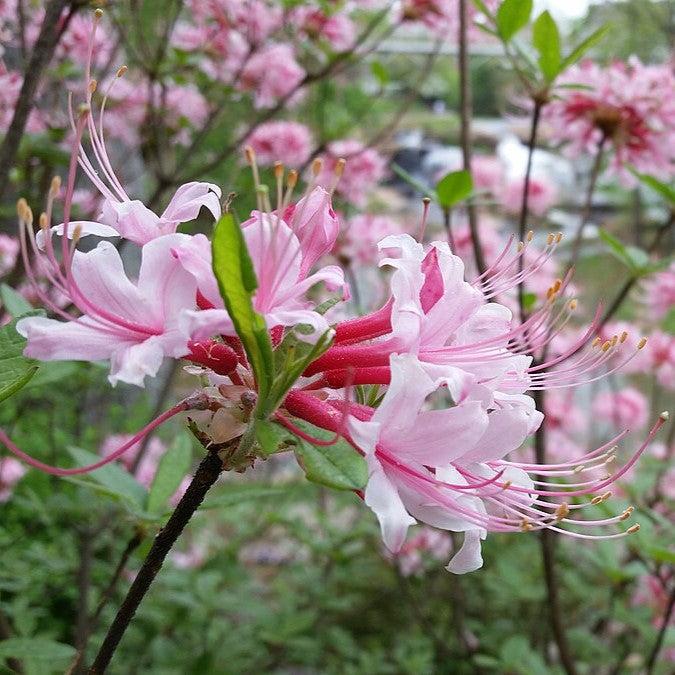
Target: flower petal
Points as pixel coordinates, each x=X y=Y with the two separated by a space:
x=188 y=201
x=468 y=558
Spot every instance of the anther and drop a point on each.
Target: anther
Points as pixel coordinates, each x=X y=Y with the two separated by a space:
x=278 y=169
x=606 y=495
x=606 y=345
x=625 y=515
x=642 y=343
x=521 y=246
x=98 y=14
x=624 y=337
x=633 y=528
x=292 y=178
x=530 y=236
x=573 y=304
x=579 y=469
x=562 y=511
x=249 y=153
x=55 y=187
x=549 y=239
x=316 y=166
x=92 y=85
x=596 y=500
x=340 y=167
x=558 y=237
x=43 y=221
x=121 y=71
x=596 y=342
x=665 y=416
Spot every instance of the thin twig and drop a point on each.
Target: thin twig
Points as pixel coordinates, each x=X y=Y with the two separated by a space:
x=206 y=475
x=524 y=207
x=588 y=203
x=43 y=51
x=465 y=129
x=653 y=655
x=547 y=541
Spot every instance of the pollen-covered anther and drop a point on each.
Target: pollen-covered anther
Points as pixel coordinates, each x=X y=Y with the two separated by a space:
x=606 y=345
x=626 y=514
x=316 y=167
x=21 y=207
x=624 y=337
x=43 y=221
x=606 y=495
x=530 y=236
x=521 y=246
x=92 y=86
x=249 y=154
x=121 y=71
x=579 y=469
x=596 y=500
x=562 y=511
x=642 y=343
x=558 y=237
x=340 y=167
x=55 y=187
x=526 y=526
x=550 y=238
x=633 y=528
x=278 y=169
x=615 y=339
x=77 y=233
x=572 y=304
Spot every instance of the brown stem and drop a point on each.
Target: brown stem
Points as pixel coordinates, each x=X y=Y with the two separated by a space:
x=43 y=51
x=206 y=475
x=653 y=655
x=588 y=203
x=83 y=588
x=524 y=207
x=465 y=129
x=547 y=541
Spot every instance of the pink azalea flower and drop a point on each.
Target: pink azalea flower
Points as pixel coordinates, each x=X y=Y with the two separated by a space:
x=279 y=141
x=487 y=172
x=271 y=74
x=660 y=293
x=11 y=472
x=542 y=195
x=283 y=252
x=630 y=104
x=442 y=17
x=360 y=237
x=338 y=30
x=364 y=168
x=10 y=86
x=658 y=358
x=427 y=543
x=625 y=408
x=133 y=325
x=9 y=251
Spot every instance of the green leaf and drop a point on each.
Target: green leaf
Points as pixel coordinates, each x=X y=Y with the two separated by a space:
x=237 y=282
x=112 y=477
x=584 y=46
x=337 y=466
x=53 y=371
x=272 y=437
x=173 y=467
x=35 y=649
x=412 y=181
x=666 y=191
x=380 y=73
x=634 y=258
x=669 y=322
x=454 y=187
x=512 y=16
x=529 y=301
x=14 y=302
x=15 y=369
x=546 y=39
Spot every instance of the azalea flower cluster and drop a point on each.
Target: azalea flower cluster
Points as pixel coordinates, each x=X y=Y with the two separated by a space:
x=629 y=106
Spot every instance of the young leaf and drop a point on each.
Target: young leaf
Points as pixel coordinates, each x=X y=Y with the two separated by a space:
x=634 y=258
x=35 y=649
x=15 y=369
x=272 y=437
x=380 y=72
x=584 y=46
x=113 y=478
x=546 y=39
x=665 y=190
x=237 y=282
x=454 y=187
x=14 y=302
x=337 y=466
x=171 y=470
x=512 y=15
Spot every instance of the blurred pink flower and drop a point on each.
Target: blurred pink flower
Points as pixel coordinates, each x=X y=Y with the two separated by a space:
x=660 y=293
x=657 y=358
x=442 y=17
x=271 y=74
x=630 y=104
x=542 y=195
x=338 y=30
x=10 y=85
x=280 y=141
x=361 y=234
x=11 y=472
x=364 y=168
x=9 y=250
x=627 y=407
x=652 y=592
x=426 y=544
x=487 y=172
